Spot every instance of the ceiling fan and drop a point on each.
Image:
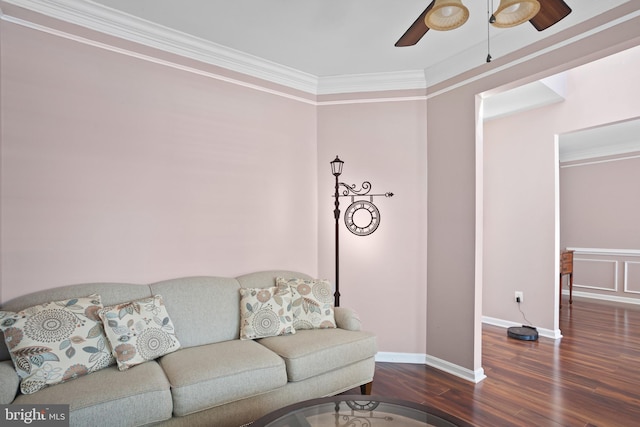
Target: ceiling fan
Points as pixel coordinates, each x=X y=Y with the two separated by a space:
x=446 y=15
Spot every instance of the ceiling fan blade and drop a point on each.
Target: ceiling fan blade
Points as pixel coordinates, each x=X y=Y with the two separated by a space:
x=416 y=30
x=551 y=12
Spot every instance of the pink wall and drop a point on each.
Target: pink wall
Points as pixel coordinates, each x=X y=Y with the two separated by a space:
x=383 y=275
x=519 y=246
x=451 y=229
x=599 y=205
x=520 y=170
x=115 y=168
x=600 y=201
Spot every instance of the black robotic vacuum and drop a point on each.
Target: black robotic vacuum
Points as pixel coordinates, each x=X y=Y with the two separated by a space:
x=524 y=332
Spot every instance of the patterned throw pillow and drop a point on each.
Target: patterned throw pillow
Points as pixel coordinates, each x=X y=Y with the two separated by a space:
x=312 y=303
x=56 y=342
x=265 y=312
x=139 y=331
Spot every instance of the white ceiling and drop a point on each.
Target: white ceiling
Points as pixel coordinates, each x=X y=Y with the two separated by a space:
x=526 y=97
x=344 y=37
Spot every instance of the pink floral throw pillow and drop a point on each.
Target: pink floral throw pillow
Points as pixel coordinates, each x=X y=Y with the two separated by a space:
x=56 y=342
x=265 y=312
x=312 y=303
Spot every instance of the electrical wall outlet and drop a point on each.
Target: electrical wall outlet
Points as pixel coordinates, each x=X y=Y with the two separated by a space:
x=519 y=296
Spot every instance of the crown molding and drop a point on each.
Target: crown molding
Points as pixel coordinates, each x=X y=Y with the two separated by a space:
x=97 y=17
x=606 y=150
x=353 y=83
x=118 y=24
x=100 y=18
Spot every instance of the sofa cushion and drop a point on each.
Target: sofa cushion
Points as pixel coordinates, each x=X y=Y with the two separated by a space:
x=138 y=396
x=56 y=341
x=265 y=312
x=204 y=310
x=139 y=331
x=312 y=352
x=215 y=374
x=312 y=303
x=9 y=382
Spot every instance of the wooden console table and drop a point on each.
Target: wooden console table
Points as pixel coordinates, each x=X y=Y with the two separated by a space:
x=566 y=267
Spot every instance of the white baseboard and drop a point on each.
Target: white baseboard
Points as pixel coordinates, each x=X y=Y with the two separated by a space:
x=548 y=333
x=602 y=297
x=464 y=373
x=425 y=359
x=391 y=357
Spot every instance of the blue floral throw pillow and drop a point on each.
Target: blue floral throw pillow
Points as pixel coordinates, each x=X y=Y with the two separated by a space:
x=56 y=342
x=139 y=331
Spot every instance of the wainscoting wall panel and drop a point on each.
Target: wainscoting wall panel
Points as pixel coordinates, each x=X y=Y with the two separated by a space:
x=595 y=274
x=606 y=274
x=632 y=277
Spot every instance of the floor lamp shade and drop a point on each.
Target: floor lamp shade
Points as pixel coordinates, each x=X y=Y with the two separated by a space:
x=514 y=12
x=446 y=15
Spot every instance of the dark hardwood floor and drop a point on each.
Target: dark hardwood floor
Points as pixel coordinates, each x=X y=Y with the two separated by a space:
x=590 y=377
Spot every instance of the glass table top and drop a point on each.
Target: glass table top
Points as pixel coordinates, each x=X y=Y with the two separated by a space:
x=358 y=410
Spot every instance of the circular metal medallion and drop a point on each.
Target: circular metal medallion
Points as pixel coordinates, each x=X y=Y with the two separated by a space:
x=362 y=218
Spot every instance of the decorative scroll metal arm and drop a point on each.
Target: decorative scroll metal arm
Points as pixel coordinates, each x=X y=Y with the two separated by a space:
x=352 y=190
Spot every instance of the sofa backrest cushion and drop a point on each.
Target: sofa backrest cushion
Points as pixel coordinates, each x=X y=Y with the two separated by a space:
x=266 y=279
x=110 y=293
x=204 y=310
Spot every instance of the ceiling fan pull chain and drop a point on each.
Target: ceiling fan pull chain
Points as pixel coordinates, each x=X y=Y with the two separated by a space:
x=490 y=17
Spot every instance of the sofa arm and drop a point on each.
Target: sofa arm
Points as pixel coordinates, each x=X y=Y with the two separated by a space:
x=347 y=319
x=9 y=382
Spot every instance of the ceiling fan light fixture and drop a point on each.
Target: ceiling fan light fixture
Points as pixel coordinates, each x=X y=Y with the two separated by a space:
x=515 y=12
x=446 y=15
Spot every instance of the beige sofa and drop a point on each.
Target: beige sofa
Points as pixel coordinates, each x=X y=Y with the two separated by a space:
x=215 y=378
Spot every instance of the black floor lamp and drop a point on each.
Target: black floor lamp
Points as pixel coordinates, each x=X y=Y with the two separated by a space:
x=355 y=225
